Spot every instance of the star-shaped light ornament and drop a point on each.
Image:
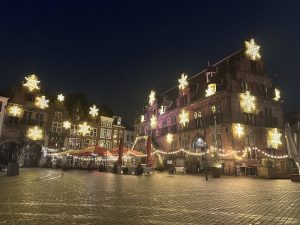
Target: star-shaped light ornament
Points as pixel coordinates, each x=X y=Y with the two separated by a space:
x=15 y=111
x=239 y=130
x=169 y=138
x=275 y=138
x=152 y=98
x=184 y=117
x=211 y=90
x=252 y=50
x=277 y=95
x=42 y=102
x=32 y=82
x=183 y=83
x=60 y=97
x=35 y=133
x=94 y=111
x=153 y=122
x=83 y=129
x=248 y=102
x=66 y=124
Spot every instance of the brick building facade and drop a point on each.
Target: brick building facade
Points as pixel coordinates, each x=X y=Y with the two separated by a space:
x=231 y=108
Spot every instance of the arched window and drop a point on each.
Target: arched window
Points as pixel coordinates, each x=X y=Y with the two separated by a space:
x=198 y=144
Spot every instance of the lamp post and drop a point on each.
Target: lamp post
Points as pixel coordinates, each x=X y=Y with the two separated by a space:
x=205 y=162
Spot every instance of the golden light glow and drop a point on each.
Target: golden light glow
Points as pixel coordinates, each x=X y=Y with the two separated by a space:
x=35 y=133
x=211 y=90
x=15 y=111
x=66 y=124
x=239 y=130
x=31 y=82
x=84 y=129
x=248 y=102
x=252 y=50
x=213 y=109
x=184 y=117
x=94 y=111
x=183 y=83
x=42 y=102
x=142 y=118
x=162 y=110
x=274 y=138
x=169 y=138
x=153 y=121
x=277 y=95
x=152 y=98
x=60 y=97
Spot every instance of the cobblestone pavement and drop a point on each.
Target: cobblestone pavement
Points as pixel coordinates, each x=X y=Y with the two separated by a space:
x=45 y=196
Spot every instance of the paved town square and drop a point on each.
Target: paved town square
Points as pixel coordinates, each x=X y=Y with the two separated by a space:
x=46 y=196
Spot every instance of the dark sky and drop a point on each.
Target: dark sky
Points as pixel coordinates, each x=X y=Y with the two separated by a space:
x=117 y=51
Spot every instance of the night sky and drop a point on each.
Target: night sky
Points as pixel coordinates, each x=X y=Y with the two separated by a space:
x=117 y=51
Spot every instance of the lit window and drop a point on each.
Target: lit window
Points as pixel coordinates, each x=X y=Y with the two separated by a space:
x=56 y=127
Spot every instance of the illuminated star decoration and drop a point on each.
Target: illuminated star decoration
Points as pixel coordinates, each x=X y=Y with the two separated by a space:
x=93 y=111
x=66 y=124
x=211 y=90
x=60 y=97
x=31 y=82
x=169 y=138
x=277 y=95
x=239 y=130
x=275 y=138
x=184 y=117
x=15 y=110
x=153 y=121
x=248 y=102
x=42 y=102
x=84 y=129
x=252 y=50
x=151 y=97
x=183 y=82
x=35 y=133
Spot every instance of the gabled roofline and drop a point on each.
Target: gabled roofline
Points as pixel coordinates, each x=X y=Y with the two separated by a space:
x=163 y=93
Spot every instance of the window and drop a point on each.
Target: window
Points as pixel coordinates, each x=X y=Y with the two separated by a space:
x=27 y=117
x=74 y=142
x=103 y=133
x=120 y=134
x=89 y=142
x=56 y=127
x=109 y=124
x=108 y=133
x=128 y=137
x=101 y=143
x=250 y=141
x=115 y=134
x=58 y=114
x=93 y=132
x=249 y=118
x=39 y=118
x=74 y=129
x=103 y=123
x=108 y=145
